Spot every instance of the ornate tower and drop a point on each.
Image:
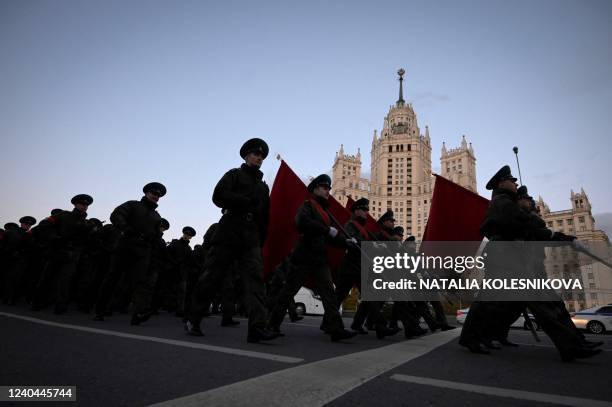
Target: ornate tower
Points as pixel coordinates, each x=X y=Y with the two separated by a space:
x=459 y=165
x=581 y=208
x=346 y=177
x=401 y=168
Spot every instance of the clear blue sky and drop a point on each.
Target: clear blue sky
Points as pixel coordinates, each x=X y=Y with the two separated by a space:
x=102 y=97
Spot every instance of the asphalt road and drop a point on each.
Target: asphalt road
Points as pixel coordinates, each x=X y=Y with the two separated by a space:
x=114 y=364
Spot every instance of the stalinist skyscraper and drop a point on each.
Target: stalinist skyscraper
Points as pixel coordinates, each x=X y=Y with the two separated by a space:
x=401 y=175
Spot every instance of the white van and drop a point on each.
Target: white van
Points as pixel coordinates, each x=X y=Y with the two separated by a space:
x=307 y=302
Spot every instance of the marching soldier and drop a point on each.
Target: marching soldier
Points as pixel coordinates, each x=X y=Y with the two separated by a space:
x=506 y=221
x=350 y=269
x=159 y=268
x=372 y=310
x=18 y=246
x=138 y=222
x=239 y=237
x=181 y=257
x=67 y=233
x=555 y=308
x=310 y=257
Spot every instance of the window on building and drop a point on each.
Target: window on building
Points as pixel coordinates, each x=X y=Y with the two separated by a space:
x=570 y=221
x=390 y=149
x=560 y=222
x=408 y=147
x=581 y=219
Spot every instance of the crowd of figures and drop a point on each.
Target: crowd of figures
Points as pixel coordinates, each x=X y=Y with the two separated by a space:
x=69 y=258
x=512 y=216
x=126 y=264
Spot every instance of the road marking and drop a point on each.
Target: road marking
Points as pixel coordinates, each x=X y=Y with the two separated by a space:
x=185 y=344
x=502 y=392
x=316 y=383
x=552 y=346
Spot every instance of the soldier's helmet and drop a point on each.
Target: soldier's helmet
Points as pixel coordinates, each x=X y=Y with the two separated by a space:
x=522 y=192
x=254 y=145
x=322 y=179
x=386 y=216
x=188 y=230
x=361 y=203
x=164 y=224
x=504 y=173
x=156 y=188
x=28 y=220
x=82 y=199
x=96 y=223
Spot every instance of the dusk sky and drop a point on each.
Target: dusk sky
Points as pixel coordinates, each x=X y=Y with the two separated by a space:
x=102 y=97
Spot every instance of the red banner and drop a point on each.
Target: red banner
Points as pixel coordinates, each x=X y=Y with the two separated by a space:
x=288 y=194
x=456 y=213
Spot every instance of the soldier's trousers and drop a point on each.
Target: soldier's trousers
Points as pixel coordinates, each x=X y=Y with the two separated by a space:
x=349 y=276
x=563 y=335
x=219 y=263
x=474 y=327
x=406 y=312
x=296 y=277
x=57 y=276
x=134 y=263
x=14 y=278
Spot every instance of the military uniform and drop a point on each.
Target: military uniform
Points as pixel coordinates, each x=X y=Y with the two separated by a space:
x=183 y=267
x=506 y=221
x=67 y=233
x=239 y=237
x=138 y=222
x=371 y=311
x=309 y=257
x=350 y=268
x=19 y=249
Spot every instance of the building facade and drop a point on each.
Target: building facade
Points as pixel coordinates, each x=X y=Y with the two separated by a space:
x=400 y=169
x=595 y=277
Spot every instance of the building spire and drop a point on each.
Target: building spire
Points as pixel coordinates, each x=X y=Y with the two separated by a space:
x=401 y=101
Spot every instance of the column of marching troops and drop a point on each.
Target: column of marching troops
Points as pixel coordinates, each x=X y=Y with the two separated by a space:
x=105 y=268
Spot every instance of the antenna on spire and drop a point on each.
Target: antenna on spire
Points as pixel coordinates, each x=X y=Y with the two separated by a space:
x=401 y=101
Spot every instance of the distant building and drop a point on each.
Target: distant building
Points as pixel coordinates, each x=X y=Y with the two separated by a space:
x=596 y=278
x=400 y=170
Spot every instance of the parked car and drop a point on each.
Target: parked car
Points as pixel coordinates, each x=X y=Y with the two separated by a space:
x=596 y=320
x=519 y=323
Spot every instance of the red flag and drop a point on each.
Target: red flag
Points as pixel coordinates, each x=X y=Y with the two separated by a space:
x=288 y=194
x=456 y=213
